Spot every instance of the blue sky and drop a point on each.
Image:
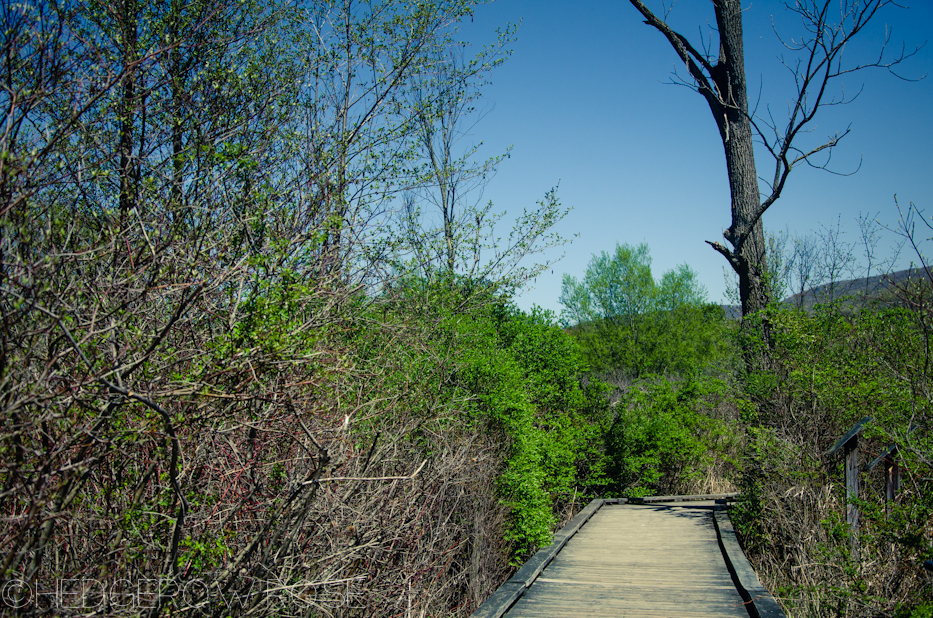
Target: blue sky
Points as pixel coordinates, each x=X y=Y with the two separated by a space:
x=586 y=102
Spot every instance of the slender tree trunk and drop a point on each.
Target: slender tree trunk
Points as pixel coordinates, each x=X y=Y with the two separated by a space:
x=128 y=107
x=177 y=78
x=445 y=191
x=338 y=197
x=449 y=237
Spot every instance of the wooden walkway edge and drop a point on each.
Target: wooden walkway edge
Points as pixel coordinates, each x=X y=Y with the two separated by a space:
x=758 y=602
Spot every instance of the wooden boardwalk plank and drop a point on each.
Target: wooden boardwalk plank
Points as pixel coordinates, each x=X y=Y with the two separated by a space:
x=637 y=561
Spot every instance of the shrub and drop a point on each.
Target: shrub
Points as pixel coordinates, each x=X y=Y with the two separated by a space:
x=518 y=377
x=661 y=441
x=831 y=369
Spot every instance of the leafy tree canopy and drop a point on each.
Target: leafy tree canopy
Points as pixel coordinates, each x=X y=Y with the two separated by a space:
x=619 y=287
x=628 y=321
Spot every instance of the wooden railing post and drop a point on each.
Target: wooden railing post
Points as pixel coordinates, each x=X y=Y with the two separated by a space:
x=892 y=479
x=849 y=446
x=892 y=472
x=850 y=451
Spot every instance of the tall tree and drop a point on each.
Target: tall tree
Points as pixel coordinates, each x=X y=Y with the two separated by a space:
x=721 y=81
x=628 y=322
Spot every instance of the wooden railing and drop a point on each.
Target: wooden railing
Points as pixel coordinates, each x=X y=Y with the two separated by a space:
x=849 y=445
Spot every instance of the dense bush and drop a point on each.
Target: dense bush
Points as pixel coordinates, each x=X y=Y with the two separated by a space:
x=666 y=439
x=668 y=356
x=682 y=341
x=831 y=368
x=216 y=381
x=519 y=376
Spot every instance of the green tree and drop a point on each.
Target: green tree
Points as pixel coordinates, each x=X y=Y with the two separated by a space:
x=617 y=287
x=627 y=320
x=679 y=288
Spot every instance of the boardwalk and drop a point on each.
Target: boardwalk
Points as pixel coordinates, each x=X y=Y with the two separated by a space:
x=651 y=560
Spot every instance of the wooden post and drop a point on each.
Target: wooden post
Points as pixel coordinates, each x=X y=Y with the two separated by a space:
x=851 y=454
x=849 y=446
x=892 y=475
x=892 y=472
x=892 y=478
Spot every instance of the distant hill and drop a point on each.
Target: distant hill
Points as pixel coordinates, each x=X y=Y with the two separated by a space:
x=859 y=290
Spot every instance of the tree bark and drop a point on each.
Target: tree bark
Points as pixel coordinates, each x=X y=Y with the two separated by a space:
x=746 y=234
x=723 y=86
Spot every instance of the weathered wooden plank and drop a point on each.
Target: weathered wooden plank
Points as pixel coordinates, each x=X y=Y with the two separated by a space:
x=855 y=430
x=531 y=569
x=760 y=602
x=507 y=594
x=695 y=498
x=588 y=600
x=500 y=601
x=646 y=561
x=649 y=560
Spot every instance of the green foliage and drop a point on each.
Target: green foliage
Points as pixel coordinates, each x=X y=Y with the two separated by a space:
x=833 y=368
x=271 y=320
x=830 y=369
x=618 y=287
x=552 y=423
x=471 y=247
x=520 y=375
x=923 y=609
x=660 y=437
x=626 y=321
x=201 y=554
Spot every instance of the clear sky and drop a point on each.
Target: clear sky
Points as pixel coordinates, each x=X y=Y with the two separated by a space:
x=586 y=102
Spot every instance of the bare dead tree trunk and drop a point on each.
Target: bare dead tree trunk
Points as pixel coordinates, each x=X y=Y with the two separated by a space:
x=722 y=84
x=746 y=234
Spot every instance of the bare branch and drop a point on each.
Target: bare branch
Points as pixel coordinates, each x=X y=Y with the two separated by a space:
x=700 y=69
x=821 y=66
x=368 y=478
